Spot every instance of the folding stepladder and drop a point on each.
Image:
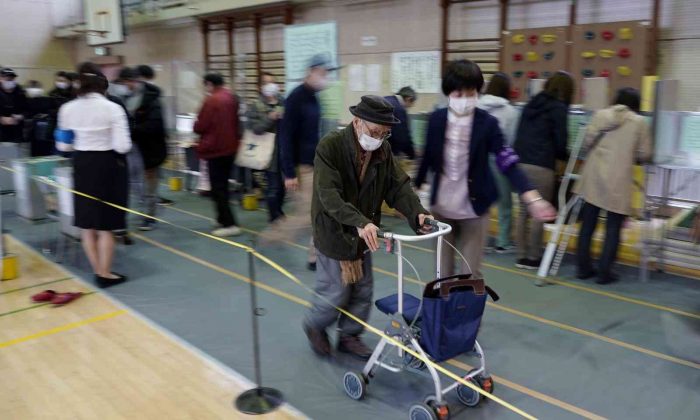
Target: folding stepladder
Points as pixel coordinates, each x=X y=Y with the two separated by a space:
x=568 y=209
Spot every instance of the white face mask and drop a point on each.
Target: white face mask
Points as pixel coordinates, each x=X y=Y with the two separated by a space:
x=121 y=90
x=369 y=143
x=35 y=92
x=462 y=106
x=8 y=84
x=318 y=82
x=270 y=89
x=62 y=85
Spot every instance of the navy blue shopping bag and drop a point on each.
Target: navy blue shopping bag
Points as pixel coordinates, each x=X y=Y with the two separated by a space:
x=451 y=315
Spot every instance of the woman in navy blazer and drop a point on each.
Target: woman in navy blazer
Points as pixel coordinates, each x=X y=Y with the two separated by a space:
x=459 y=140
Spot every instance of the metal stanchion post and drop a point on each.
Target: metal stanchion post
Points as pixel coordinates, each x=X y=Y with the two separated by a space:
x=259 y=400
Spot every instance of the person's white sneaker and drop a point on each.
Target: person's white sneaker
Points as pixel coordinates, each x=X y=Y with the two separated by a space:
x=227 y=231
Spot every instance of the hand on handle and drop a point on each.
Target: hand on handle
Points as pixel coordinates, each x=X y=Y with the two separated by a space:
x=369 y=235
x=426 y=223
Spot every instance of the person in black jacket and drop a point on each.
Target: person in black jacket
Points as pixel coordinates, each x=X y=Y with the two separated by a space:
x=147 y=132
x=400 y=140
x=38 y=120
x=13 y=107
x=541 y=139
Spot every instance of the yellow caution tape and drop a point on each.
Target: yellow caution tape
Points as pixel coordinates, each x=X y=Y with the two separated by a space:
x=294 y=279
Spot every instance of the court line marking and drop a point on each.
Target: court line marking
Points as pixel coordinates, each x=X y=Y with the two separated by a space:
x=241 y=381
x=295 y=299
x=39 y=305
x=554 y=280
x=62 y=328
x=561 y=282
x=36 y=285
x=549 y=322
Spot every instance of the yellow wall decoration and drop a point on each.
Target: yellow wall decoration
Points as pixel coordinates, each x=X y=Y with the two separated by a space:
x=518 y=39
x=606 y=53
x=624 y=71
x=548 y=38
x=625 y=33
x=532 y=56
x=588 y=54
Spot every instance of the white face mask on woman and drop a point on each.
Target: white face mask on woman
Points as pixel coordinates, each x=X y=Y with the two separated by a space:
x=35 y=92
x=62 y=85
x=463 y=105
x=9 y=84
x=270 y=89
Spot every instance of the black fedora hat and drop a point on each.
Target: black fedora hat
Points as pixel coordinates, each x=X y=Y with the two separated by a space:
x=375 y=109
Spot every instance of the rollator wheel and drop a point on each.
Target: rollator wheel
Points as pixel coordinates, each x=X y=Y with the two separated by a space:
x=486 y=383
x=468 y=396
x=355 y=385
x=422 y=412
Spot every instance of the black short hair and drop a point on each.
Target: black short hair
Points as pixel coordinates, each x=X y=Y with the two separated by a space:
x=629 y=97
x=499 y=85
x=72 y=75
x=214 y=78
x=33 y=84
x=146 y=71
x=63 y=74
x=127 y=73
x=461 y=74
x=90 y=77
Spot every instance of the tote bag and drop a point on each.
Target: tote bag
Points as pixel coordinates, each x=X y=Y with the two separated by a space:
x=255 y=151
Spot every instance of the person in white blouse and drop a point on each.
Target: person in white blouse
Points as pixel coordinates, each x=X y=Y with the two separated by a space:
x=96 y=130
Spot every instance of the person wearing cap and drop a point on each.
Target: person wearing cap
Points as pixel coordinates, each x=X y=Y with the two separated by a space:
x=13 y=107
x=299 y=133
x=148 y=134
x=400 y=140
x=354 y=172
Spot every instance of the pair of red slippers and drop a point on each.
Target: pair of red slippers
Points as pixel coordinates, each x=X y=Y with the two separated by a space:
x=56 y=298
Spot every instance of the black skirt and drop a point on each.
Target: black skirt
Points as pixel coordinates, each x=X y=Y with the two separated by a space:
x=103 y=175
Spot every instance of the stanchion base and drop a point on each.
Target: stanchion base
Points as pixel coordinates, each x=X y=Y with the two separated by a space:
x=259 y=401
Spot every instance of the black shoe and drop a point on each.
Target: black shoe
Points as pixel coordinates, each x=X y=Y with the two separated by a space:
x=311 y=266
x=585 y=275
x=610 y=278
x=126 y=239
x=147 y=225
x=104 y=282
x=165 y=202
x=528 y=264
x=354 y=346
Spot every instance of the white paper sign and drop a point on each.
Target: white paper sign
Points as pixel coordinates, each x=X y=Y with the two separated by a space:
x=374 y=77
x=356 y=77
x=418 y=69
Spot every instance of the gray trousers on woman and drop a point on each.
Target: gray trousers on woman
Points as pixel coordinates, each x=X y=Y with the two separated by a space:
x=330 y=292
x=469 y=237
x=529 y=241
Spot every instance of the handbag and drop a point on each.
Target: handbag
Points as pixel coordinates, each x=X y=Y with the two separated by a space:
x=255 y=150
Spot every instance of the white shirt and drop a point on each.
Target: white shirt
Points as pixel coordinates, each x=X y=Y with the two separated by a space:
x=453 y=193
x=98 y=124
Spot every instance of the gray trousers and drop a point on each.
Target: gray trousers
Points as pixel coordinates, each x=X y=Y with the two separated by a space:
x=529 y=241
x=469 y=237
x=355 y=298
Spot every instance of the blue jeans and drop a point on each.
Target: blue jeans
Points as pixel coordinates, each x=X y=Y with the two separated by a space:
x=274 y=194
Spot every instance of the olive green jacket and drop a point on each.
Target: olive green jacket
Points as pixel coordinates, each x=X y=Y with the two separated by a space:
x=340 y=204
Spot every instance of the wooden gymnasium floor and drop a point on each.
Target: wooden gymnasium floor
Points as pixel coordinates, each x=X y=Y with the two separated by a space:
x=95 y=359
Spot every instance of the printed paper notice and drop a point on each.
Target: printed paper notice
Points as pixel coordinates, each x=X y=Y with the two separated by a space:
x=356 y=77
x=690 y=135
x=374 y=78
x=418 y=69
x=301 y=42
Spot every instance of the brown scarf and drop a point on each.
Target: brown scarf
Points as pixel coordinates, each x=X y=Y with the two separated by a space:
x=351 y=271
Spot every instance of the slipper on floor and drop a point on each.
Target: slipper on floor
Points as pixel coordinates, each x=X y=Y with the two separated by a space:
x=65 y=298
x=45 y=296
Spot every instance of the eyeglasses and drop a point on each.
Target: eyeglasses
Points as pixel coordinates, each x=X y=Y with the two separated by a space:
x=381 y=135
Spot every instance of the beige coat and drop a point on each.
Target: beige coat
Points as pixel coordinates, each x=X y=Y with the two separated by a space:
x=607 y=176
